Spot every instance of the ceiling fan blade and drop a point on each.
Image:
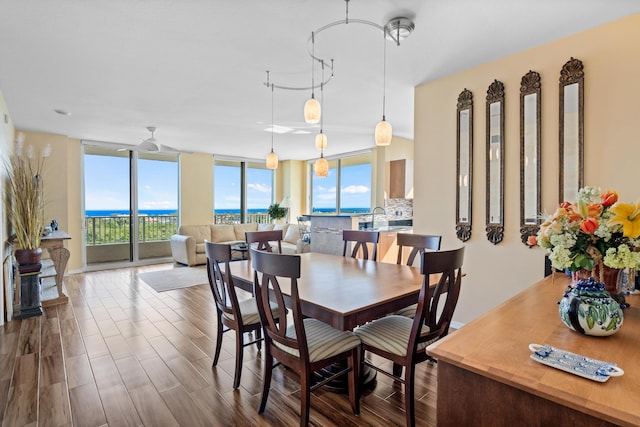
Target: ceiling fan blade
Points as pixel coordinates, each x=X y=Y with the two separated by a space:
x=148 y=145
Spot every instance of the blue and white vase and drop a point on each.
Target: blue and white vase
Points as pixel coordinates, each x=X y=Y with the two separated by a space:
x=588 y=308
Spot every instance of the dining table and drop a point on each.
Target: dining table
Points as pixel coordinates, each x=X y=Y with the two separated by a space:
x=344 y=292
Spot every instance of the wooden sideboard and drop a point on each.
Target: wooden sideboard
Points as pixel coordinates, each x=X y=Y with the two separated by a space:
x=487 y=378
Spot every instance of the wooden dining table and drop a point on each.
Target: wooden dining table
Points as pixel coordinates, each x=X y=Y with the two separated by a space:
x=345 y=292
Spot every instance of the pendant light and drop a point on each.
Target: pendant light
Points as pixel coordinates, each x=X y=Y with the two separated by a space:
x=321 y=167
x=321 y=138
x=384 y=132
x=312 y=108
x=272 y=158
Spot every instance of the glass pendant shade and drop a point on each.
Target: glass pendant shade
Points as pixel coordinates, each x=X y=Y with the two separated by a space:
x=321 y=141
x=272 y=160
x=312 y=111
x=321 y=167
x=383 y=133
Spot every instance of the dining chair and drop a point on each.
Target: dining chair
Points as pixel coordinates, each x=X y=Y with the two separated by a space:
x=305 y=345
x=264 y=239
x=361 y=238
x=240 y=316
x=419 y=243
x=403 y=340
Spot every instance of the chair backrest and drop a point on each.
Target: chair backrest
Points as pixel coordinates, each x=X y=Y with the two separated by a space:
x=361 y=238
x=221 y=282
x=418 y=244
x=269 y=270
x=264 y=239
x=447 y=264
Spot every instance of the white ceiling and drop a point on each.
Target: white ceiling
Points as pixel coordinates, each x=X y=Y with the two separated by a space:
x=196 y=68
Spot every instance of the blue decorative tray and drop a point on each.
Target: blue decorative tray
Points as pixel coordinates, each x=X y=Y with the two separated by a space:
x=576 y=364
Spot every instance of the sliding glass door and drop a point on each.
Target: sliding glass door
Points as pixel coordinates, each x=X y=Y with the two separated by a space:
x=130 y=204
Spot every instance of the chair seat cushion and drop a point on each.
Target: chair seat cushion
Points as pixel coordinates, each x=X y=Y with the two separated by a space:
x=390 y=334
x=323 y=340
x=407 y=311
x=249 y=311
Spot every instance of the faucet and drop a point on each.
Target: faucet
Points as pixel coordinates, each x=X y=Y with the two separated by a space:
x=373 y=215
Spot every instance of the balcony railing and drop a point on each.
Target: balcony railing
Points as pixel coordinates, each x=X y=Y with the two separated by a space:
x=102 y=230
x=234 y=218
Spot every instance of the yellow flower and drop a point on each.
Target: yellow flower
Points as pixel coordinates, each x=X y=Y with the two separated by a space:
x=627 y=215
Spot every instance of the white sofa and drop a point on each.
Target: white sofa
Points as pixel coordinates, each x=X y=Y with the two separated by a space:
x=187 y=247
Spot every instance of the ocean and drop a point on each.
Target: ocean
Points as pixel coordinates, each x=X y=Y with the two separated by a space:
x=159 y=212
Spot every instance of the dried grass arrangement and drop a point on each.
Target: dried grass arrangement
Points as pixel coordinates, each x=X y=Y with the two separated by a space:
x=25 y=193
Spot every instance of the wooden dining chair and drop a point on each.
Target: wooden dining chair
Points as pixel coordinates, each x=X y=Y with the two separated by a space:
x=403 y=340
x=264 y=240
x=240 y=316
x=419 y=243
x=360 y=238
x=306 y=345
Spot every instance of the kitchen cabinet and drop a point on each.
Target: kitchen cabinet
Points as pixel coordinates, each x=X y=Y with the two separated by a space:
x=401 y=179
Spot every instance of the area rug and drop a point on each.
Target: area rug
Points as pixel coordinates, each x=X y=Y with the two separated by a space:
x=176 y=278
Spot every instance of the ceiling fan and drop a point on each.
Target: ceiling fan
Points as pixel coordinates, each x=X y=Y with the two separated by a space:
x=152 y=145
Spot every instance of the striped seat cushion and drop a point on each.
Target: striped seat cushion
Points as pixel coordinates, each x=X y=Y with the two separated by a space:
x=249 y=311
x=323 y=340
x=390 y=334
x=407 y=311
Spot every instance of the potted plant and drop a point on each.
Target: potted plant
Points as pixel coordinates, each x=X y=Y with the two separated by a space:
x=276 y=212
x=25 y=201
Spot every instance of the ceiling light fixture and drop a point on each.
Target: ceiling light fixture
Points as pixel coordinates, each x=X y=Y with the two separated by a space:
x=272 y=158
x=321 y=167
x=321 y=138
x=396 y=29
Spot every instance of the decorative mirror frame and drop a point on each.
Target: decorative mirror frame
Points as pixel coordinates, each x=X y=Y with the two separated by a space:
x=530 y=84
x=572 y=72
x=495 y=230
x=465 y=102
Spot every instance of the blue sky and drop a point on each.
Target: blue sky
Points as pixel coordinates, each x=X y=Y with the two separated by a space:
x=107 y=183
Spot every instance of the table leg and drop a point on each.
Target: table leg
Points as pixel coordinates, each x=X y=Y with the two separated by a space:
x=60 y=257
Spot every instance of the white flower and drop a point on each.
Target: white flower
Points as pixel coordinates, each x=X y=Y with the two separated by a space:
x=589 y=194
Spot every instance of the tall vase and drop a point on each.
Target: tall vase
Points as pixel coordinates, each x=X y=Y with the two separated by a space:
x=29 y=268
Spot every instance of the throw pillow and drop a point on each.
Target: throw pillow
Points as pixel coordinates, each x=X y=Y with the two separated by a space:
x=293 y=234
x=265 y=227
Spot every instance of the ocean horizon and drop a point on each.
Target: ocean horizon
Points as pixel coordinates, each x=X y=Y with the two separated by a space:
x=160 y=212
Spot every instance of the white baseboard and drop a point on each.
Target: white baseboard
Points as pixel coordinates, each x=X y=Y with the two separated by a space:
x=456 y=325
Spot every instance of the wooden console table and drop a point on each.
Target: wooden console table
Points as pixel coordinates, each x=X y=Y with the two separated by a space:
x=487 y=378
x=53 y=293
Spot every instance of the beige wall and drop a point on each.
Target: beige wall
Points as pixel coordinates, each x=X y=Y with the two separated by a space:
x=63 y=188
x=196 y=189
x=6 y=137
x=612 y=66
x=291 y=181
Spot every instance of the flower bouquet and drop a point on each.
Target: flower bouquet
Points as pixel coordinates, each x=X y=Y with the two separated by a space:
x=596 y=231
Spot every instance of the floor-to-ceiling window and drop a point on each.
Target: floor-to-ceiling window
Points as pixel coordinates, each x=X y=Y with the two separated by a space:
x=243 y=191
x=347 y=188
x=130 y=204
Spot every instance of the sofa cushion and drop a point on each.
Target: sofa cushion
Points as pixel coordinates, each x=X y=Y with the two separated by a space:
x=222 y=233
x=293 y=234
x=240 y=229
x=199 y=232
x=265 y=227
x=200 y=248
x=282 y=227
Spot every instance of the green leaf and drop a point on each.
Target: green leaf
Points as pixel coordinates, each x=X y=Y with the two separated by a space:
x=590 y=321
x=611 y=324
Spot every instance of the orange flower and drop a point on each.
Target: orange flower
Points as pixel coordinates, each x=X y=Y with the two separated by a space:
x=532 y=240
x=594 y=210
x=609 y=197
x=565 y=205
x=589 y=225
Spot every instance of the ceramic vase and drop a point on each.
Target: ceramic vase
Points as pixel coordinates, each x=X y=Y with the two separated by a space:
x=589 y=309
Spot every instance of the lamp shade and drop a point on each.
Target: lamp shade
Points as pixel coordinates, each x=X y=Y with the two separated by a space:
x=321 y=141
x=383 y=133
x=312 y=111
x=321 y=167
x=272 y=160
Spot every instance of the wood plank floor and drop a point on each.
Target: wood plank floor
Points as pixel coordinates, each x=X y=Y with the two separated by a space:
x=120 y=354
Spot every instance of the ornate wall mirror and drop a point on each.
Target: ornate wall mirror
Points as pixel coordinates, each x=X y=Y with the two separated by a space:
x=464 y=166
x=530 y=134
x=571 y=129
x=495 y=162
